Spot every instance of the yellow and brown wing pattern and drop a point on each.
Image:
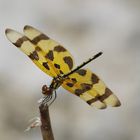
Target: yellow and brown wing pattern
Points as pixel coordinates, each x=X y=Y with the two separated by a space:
x=47 y=54
x=58 y=56
x=89 y=87
x=32 y=51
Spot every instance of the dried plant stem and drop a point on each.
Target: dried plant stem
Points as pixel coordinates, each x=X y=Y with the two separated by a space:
x=46 y=128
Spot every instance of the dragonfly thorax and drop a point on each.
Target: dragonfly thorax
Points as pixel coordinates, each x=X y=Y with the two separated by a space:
x=56 y=82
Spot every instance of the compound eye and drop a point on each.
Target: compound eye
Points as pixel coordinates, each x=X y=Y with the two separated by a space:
x=46 y=90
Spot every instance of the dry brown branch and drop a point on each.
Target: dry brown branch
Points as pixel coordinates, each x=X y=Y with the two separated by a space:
x=46 y=128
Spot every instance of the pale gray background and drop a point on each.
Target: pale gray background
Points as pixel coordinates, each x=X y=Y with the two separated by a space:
x=84 y=27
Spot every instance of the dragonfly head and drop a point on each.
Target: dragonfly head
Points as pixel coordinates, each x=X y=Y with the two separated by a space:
x=46 y=90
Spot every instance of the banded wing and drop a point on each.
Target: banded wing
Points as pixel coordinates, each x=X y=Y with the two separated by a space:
x=56 y=54
x=32 y=51
x=91 y=89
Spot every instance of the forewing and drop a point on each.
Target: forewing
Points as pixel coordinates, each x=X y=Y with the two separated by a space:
x=60 y=58
x=31 y=50
x=91 y=89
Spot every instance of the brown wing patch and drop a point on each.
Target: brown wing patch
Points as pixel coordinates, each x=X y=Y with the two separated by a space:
x=57 y=66
x=78 y=92
x=83 y=88
x=105 y=95
x=34 y=56
x=94 y=78
x=86 y=86
x=81 y=72
x=61 y=72
x=68 y=60
x=38 y=49
x=45 y=64
x=93 y=100
x=39 y=38
x=59 y=48
x=70 y=84
x=20 y=41
x=74 y=80
x=49 y=55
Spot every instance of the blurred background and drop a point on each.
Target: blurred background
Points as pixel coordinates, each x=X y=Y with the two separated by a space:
x=84 y=27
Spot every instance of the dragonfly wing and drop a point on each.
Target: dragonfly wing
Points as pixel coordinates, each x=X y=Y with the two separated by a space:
x=59 y=56
x=31 y=50
x=91 y=89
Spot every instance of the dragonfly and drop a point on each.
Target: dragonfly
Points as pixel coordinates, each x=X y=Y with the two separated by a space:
x=56 y=61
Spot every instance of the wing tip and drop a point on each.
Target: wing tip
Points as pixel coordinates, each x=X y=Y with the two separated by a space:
x=8 y=33
x=27 y=27
x=12 y=35
x=113 y=101
x=99 y=105
x=103 y=107
x=117 y=104
x=8 y=30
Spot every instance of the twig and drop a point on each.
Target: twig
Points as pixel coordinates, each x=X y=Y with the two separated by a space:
x=46 y=128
